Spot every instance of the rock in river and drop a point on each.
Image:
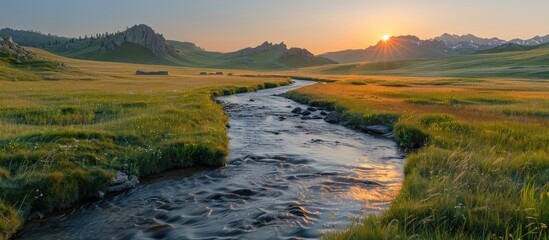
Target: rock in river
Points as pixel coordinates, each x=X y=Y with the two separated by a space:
x=376 y=129
x=297 y=110
x=311 y=109
x=332 y=117
x=305 y=113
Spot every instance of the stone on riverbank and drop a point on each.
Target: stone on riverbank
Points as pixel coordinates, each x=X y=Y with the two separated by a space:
x=376 y=129
x=123 y=182
x=332 y=117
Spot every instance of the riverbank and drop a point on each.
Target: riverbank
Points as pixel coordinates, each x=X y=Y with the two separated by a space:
x=61 y=141
x=288 y=176
x=478 y=166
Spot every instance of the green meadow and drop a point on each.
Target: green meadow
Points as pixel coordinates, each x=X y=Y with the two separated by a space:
x=65 y=130
x=478 y=153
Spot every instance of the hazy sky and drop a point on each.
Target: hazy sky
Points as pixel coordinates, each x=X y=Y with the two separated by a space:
x=319 y=25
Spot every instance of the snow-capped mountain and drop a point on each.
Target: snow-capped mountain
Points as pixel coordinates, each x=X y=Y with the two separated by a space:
x=470 y=41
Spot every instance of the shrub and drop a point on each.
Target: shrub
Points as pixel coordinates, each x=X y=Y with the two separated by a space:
x=9 y=221
x=4 y=173
x=410 y=137
x=270 y=85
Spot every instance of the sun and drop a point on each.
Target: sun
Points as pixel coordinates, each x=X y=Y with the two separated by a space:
x=385 y=38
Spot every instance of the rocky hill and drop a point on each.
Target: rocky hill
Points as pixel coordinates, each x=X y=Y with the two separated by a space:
x=11 y=49
x=141 y=35
x=141 y=44
x=265 y=47
x=301 y=57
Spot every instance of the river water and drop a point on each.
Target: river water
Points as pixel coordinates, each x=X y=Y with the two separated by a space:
x=286 y=178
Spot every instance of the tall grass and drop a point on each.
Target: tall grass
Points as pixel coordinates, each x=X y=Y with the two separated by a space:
x=472 y=172
x=62 y=141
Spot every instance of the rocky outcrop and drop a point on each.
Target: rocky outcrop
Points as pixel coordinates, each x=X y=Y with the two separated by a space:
x=8 y=46
x=141 y=35
x=266 y=46
x=299 y=53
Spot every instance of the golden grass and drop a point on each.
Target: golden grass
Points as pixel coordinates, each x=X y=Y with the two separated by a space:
x=482 y=171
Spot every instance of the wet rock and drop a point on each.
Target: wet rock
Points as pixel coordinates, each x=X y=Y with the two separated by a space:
x=312 y=109
x=122 y=182
x=100 y=194
x=119 y=178
x=252 y=100
x=305 y=113
x=389 y=135
x=281 y=118
x=316 y=117
x=323 y=113
x=376 y=129
x=228 y=125
x=244 y=192
x=297 y=110
x=332 y=117
x=36 y=215
x=306 y=118
x=158 y=227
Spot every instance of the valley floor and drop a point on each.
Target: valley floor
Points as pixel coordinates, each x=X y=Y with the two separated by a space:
x=478 y=167
x=63 y=134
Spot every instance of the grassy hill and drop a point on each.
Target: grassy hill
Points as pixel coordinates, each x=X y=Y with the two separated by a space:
x=510 y=64
x=512 y=47
x=33 y=38
x=185 y=54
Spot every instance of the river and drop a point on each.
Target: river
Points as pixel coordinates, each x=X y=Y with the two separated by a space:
x=286 y=178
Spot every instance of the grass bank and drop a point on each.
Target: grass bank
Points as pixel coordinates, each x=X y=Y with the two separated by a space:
x=62 y=140
x=478 y=166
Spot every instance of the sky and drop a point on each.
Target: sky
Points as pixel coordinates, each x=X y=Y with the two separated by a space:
x=318 y=25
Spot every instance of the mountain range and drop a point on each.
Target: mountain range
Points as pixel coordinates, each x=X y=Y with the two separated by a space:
x=411 y=47
x=141 y=44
